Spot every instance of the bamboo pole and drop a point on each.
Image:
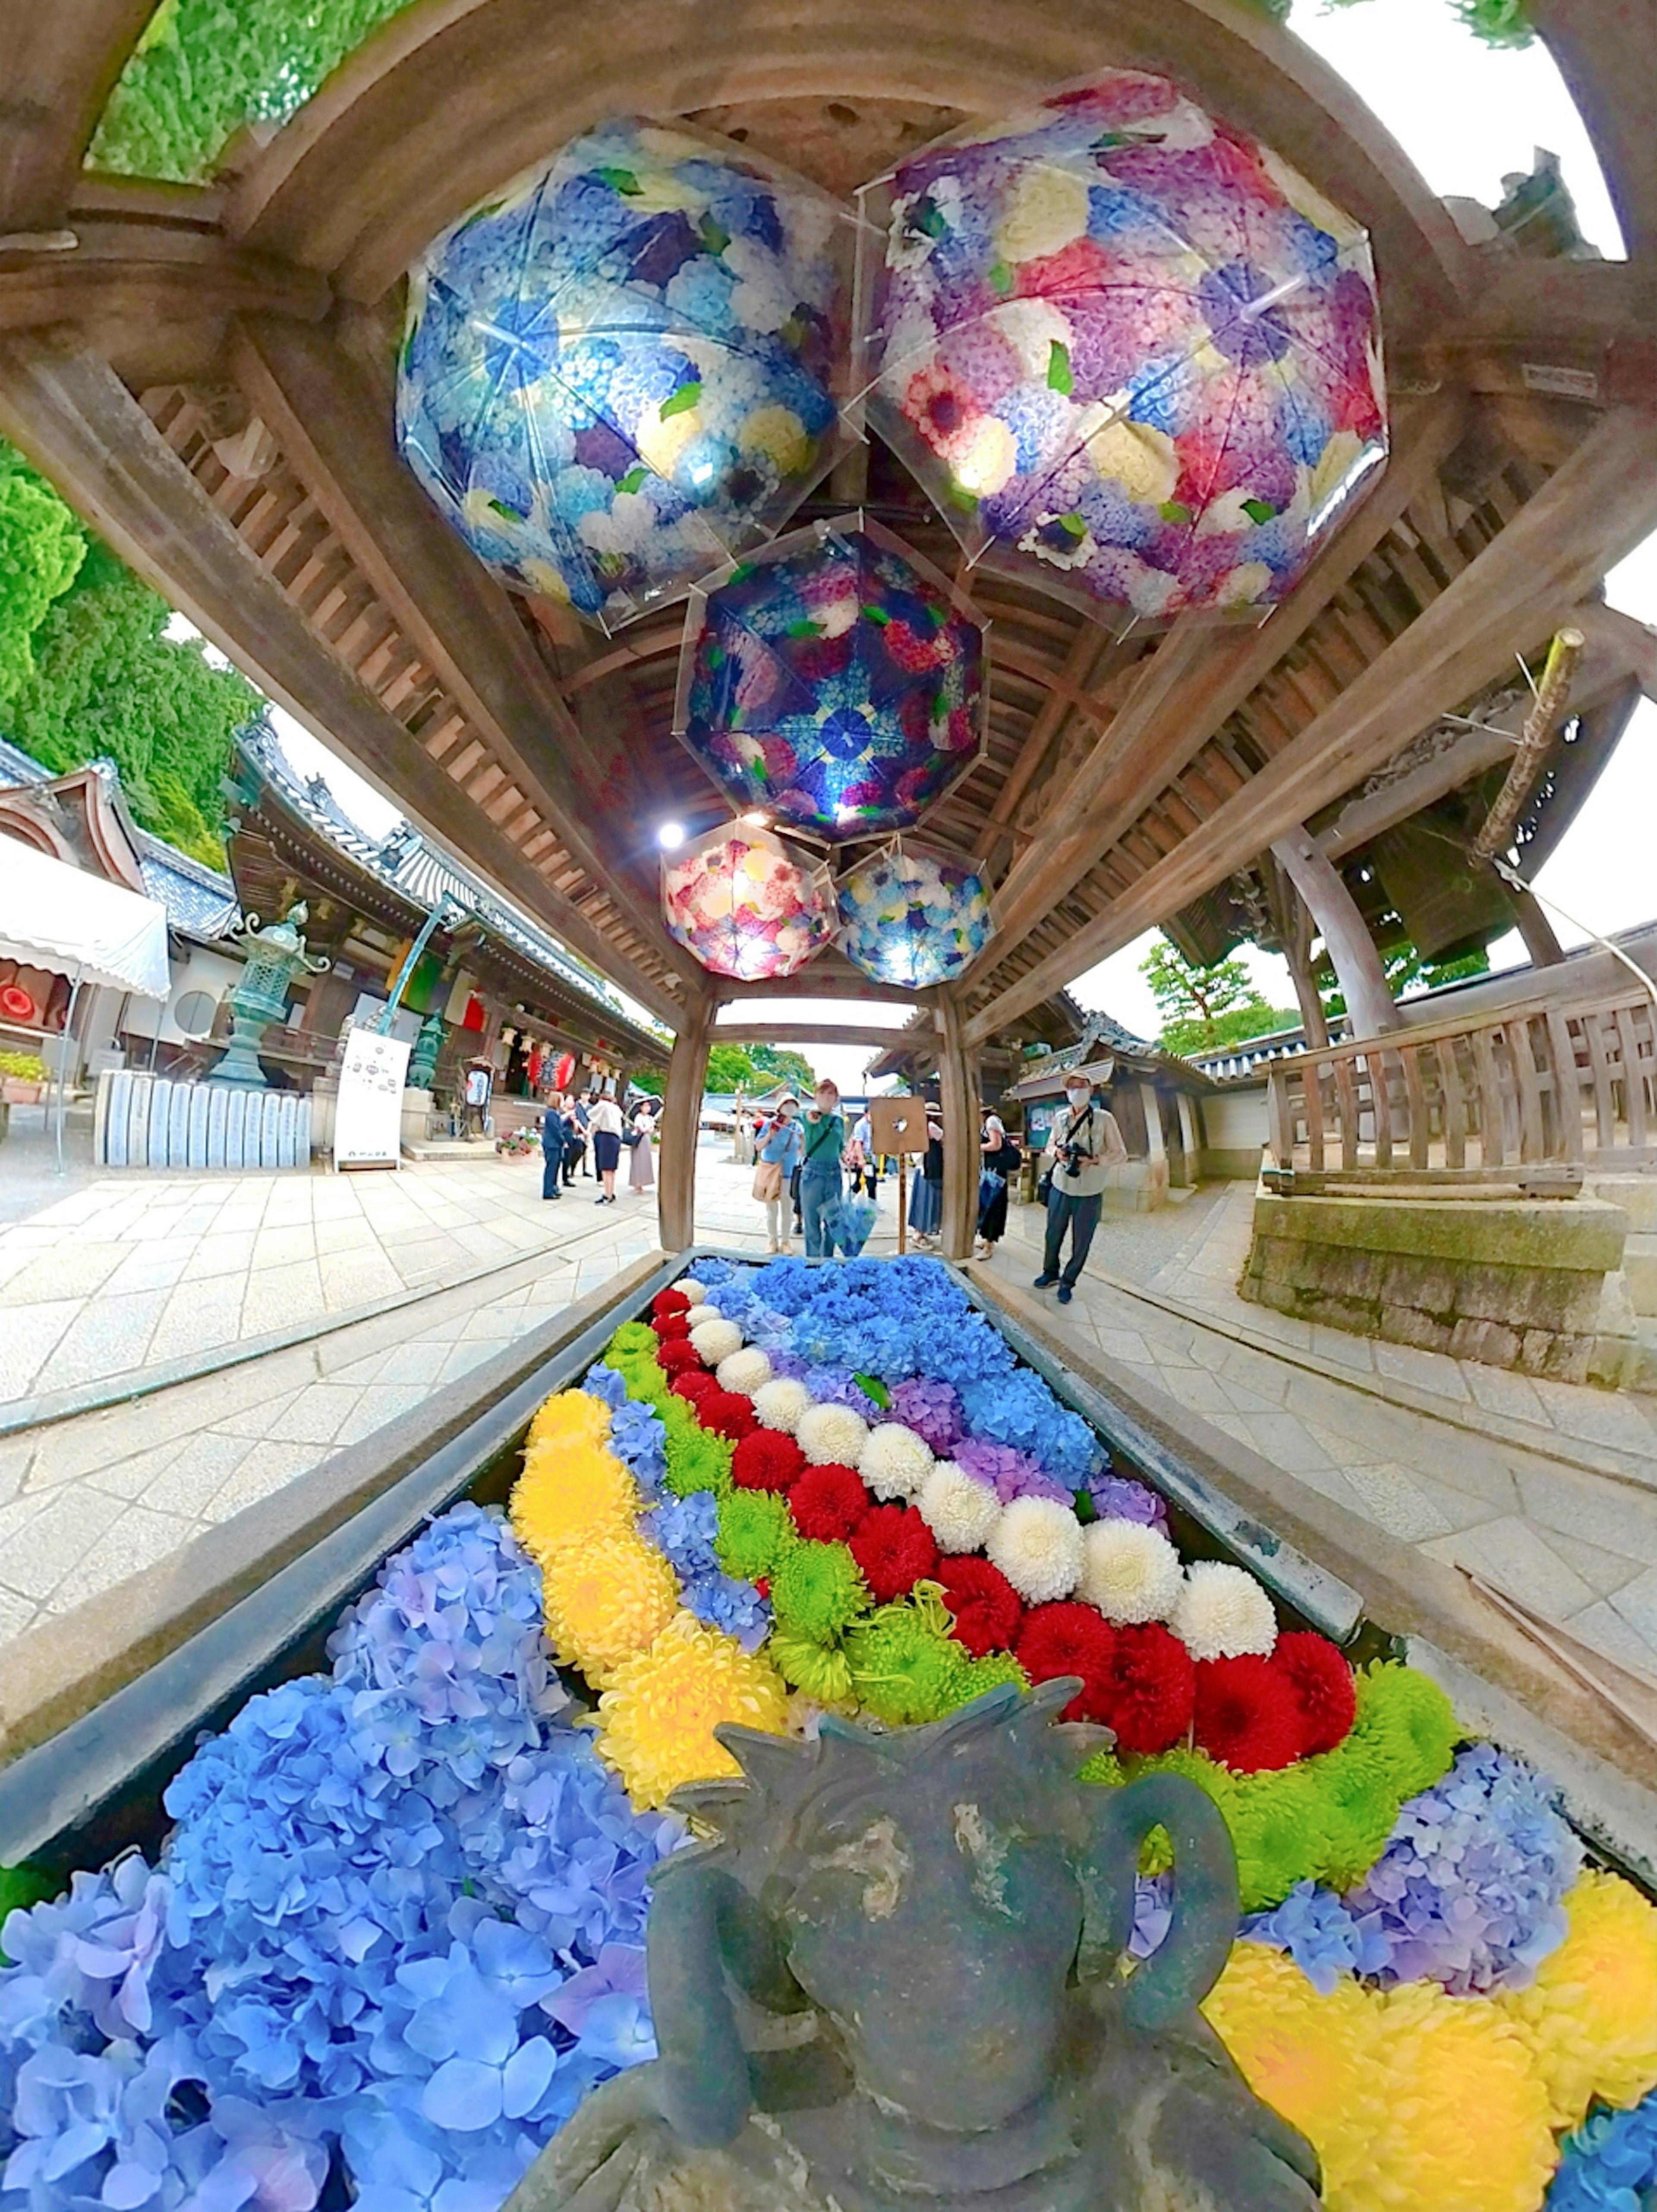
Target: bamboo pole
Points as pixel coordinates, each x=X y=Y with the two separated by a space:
x=1551 y=695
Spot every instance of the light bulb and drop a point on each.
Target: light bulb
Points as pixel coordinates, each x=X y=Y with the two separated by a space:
x=670 y=835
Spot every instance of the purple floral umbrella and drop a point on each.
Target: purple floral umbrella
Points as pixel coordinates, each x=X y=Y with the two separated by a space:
x=1125 y=340
x=834 y=682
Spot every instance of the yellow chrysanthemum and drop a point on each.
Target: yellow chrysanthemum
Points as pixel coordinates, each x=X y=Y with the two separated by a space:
x=607 y=1600
x=570 y=1493
x=570 y=1416
x=1414 y=2101
x=1311 y=2058
x=657 y=1715
x=1590 y=2017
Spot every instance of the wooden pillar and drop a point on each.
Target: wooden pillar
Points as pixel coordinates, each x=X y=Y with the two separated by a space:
x=957 y=1090
x=1370 y=1008
x=1538 y=931
x=682 y=1113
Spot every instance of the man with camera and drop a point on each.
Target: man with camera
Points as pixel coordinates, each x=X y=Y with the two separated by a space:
x=1085 y=1145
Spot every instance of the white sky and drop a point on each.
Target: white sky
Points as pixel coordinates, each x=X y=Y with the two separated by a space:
x=1466 y=115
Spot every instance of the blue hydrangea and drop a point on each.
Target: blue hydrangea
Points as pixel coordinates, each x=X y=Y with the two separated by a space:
x=1324 y=1940
x=604 y=1381
x=1610 y=2163
x=1019 y=1409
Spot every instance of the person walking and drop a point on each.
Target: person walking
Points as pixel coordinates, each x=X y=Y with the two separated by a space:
x=605 y=1127
x=1000 y=1161
x=552 y=1151
x=927 y=1212
x=823 y=1144
x=777 y=1156
x=640 y=1170
x=1085 y=1145
x=861 y=1157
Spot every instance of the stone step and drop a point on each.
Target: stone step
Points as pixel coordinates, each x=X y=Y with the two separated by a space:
x=1643 y=1376
x=1635 y=1194
x=1640 y=1266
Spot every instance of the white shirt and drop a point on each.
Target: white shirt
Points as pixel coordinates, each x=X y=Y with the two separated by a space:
x=606 y=1118
x=1096 y=1130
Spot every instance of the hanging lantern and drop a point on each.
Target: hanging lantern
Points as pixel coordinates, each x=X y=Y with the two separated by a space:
x=912 y=917
x=835 y=682
x=623 y=368
x=1127 y=342
x=745 y=908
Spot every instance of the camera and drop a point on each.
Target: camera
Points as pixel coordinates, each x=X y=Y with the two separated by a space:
x=1072 y=1157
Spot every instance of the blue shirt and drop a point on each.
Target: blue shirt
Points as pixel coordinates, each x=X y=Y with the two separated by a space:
x=782 y=1146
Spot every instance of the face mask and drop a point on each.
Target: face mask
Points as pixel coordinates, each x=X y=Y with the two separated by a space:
x=1079 y=1101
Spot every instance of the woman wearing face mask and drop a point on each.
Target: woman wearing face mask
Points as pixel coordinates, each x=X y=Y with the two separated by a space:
x=1085 y=1145
x=777 y=1153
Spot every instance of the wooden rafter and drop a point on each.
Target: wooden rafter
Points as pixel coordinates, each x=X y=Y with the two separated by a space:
x=58 y=63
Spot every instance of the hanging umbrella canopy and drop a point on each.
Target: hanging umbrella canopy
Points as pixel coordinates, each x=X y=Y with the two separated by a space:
x=1126 y=340
x=624 y=369
x=52 y=915
x=912 y=917
x=738 y=901
x=836 y=680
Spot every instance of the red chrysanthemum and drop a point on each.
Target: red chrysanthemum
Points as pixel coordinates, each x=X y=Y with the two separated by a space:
x=693 y=1384
x=670 y=1327
x=1149 y=1688
x=767 y=1460
x=728 y=1413
x=1246 y=1714
x=988 y=1610
x=1325 y=1694
x=828 y=1501
x=670 y=1301
x=893 y=1547
x=1069 y=1639
x=678 y=1355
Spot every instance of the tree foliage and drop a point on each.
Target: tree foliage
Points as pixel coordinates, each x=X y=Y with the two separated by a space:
x=87 y=673
x=205 y=67
x=1203 y=1009
x=782 y=1064
x=1404 y=966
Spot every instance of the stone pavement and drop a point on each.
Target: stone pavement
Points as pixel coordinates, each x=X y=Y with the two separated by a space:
x=1547 y=1490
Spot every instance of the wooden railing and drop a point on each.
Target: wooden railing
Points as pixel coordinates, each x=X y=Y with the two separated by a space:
x=1538 y=1083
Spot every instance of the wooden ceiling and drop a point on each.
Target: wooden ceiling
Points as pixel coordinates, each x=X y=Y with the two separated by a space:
x=207 y=372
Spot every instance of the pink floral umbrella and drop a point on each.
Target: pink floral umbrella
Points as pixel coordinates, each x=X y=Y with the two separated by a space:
x=1125 y=340
x=743 y=906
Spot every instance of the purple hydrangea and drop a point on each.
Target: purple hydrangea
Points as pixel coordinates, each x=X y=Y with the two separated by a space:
x=1119 y=1498
x=932 y=1410
x=1010 y=1473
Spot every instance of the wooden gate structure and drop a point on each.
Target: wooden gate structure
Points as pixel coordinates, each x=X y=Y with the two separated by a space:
x=205 y=371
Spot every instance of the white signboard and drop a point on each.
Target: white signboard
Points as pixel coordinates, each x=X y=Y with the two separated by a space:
x=368 y=1114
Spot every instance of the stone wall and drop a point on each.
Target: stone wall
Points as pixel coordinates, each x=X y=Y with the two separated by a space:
x=1514 y=1283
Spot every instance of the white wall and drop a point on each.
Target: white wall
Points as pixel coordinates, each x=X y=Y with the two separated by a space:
x=199 y=971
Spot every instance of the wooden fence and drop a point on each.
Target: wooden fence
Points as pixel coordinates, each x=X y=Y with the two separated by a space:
x=1541 y=1082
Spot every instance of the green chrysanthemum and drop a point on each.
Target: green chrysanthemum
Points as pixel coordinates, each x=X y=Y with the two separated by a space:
x=1104 y=1770
x=757 y=1532
x=905 y=1669
x=989 y=1673
x=1405 y=1716
x=1216 y=1781
x=633 y=1336
x=697 y=1459
x=817 y=1590
x=822 y=1671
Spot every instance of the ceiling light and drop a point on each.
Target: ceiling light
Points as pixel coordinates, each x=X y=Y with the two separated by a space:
x=670 y=835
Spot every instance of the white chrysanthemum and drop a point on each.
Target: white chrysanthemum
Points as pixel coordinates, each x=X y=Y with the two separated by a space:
x=779 y=1403
x=694 y=1291
x=895 y=1461
x=1037 y=1544
x=959 y=1512
x=716 y=1339
x=1131 y=1572
x=747 y=1370
x=1222 y=1613
x=832 y=1433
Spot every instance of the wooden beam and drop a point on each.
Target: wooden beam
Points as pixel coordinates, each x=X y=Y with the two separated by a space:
x=1362 y=820
x=1185 y=689
x=811 y=984
x=1621 y=638
x=1370 y=1004
x=681 y=1112
x=61 y=60
x=333 y=426
x=1588 y=516
x=805 y=1033
x=75 y=420
x=136 y=271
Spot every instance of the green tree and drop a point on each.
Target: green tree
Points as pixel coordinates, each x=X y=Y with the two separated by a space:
x=1404 y=966
x=42 y=545
x=782 y=1064
x=731 y=1067
x=1192 y=1000
x=650 y=1079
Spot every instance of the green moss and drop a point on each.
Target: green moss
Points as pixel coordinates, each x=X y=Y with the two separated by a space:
x=818 y=1591
x=756 y=1533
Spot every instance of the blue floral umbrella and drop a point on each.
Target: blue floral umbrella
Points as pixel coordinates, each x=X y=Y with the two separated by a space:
x=623 y=369
x=912 y=917
x=834 y=682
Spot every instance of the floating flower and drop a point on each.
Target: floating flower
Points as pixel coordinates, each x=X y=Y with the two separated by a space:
x=1610 y=2163
x=1130 y=1571
x=1404 y=1724
x=959 y=1511
x=1321 y=1935
x=1118 y=1498
x=670 y=1326
x=779 y=1403
x=1037 y=1544
x=894 y=1462
x=985 y=1608
x=1323 y=1687
x=756 y=1530
x=1222 y=1613
x=606 y=1598
x=568 y=1493
x=906 y=1669
x=694 y=1291
x=1149 y=1690
x=680 y=1356
x=766 y=1459
x=693 y=1384
x=744 y=1371
x=831 y=1434
x=822 y=1672
x=817 y=1590
x=828 y=1502
x=568 y=1417
x=1067 y=1640
x=656 y=1717
x=894 y=1548
x=1245 y=1714
x=932 y=1410
x=1589 y=2017
x=726 y=1413
x=673 y=1300
x=714 y=1339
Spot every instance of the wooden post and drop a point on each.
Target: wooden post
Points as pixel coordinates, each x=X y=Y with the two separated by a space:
x=902 y=1205
x=1369 y=1006
x=682 y=1113
x=958 y=1096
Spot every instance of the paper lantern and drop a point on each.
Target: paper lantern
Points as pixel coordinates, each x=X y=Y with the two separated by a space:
x=1127 y=342
x=743 y=906
x=622 y=369
x=835 y=680
x=912 y=917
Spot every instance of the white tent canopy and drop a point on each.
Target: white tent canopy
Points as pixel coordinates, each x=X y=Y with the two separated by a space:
x=52 y=915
